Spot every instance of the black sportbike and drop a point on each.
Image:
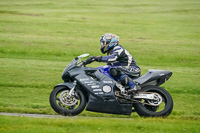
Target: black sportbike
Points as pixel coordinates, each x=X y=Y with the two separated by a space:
x=97 y=91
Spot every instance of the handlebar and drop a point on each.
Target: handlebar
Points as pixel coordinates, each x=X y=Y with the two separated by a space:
x=86 y=62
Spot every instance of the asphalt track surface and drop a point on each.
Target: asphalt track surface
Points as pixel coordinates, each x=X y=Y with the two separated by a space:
x=53 y=116
x=35 y=115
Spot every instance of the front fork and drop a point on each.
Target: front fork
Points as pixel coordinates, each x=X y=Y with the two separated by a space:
x=72 y=90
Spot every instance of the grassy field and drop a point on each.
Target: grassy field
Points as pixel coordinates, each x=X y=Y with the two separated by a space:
x=96 y=125
x=39 y=38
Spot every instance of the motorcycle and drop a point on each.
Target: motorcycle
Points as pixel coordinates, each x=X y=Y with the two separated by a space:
x=95 y=90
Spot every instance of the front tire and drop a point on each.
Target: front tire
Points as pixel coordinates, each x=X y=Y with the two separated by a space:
x=163 y=110
x=67 y=106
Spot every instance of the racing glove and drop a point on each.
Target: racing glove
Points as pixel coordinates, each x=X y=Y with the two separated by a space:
x=98 y=58
x=92 y=59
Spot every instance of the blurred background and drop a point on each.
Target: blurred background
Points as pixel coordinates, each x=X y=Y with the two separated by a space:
x=39 y=38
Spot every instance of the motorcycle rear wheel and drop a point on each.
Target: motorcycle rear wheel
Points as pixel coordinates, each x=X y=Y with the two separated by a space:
x=62 y=105
x=163 y=110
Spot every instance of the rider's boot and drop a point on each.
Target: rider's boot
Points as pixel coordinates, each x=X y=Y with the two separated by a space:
x=133 y=88
x=129 y=84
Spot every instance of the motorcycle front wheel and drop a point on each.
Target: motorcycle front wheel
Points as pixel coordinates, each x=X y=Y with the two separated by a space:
x=64 y=105
x=163 y=110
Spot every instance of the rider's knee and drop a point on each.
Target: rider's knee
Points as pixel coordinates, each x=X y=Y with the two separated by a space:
x=114 y=72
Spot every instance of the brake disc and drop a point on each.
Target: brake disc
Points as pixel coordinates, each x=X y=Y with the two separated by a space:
x=157 y=100
x=68 y=101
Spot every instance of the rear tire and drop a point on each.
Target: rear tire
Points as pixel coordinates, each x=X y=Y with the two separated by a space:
x=153 y=111
x=63 y=109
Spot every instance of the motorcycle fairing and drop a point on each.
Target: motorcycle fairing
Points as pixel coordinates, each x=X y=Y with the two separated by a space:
x=68 y=85
x=153 y=77
x=98 y=100
x=107 y=104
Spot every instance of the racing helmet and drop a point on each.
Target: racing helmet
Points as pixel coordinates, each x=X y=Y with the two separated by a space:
x=108 y=41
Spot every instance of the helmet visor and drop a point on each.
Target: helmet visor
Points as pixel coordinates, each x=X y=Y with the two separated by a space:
x=102 y=44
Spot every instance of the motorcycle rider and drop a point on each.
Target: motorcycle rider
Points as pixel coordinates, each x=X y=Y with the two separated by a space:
x=120 y=60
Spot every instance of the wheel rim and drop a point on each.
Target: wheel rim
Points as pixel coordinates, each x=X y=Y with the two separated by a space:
x=159 y=108
x=66 y=103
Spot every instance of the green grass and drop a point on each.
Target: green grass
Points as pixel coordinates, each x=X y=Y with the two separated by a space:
x=97 y=125
x=39 y=38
